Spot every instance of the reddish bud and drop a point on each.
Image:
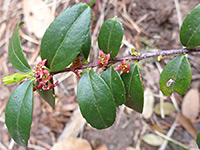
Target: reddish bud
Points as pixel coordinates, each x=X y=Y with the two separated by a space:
x=103 y=59
x=124 y=66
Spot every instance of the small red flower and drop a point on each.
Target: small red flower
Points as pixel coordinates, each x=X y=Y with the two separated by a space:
x=43 y=77
x=76 y=63
x=124 y=66
x=103 y=59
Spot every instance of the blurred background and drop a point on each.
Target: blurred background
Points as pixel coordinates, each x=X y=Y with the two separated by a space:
x=167 y=123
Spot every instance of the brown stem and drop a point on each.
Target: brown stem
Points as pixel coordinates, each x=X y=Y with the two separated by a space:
x=140 y=57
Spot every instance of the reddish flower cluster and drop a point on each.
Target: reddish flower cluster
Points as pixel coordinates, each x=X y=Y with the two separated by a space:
x=77 y=64
x=103 y=59
x=43 y=77
x=124 y=66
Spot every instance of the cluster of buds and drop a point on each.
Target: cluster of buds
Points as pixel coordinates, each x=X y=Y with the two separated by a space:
x=77 y=64
x=43 y=77
x=103 y=59
x=124 y=66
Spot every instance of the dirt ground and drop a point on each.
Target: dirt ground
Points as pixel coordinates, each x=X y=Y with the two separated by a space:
x=149 y=25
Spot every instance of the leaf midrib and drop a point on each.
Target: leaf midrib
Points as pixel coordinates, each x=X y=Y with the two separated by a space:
x=131 y=80
x=13 y=50
x=195 y=31
x=20 y=104
x=66 y=37
x=95 y=100
x=109 y=38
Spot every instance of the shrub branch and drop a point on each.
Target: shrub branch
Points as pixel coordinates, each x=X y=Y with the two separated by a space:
x=139 y=57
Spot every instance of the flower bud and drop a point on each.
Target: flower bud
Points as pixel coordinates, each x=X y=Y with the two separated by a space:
x=17 y=77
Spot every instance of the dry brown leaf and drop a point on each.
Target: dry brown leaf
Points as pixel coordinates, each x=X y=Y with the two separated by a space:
x=37 y=16
x=102 y=147
x=158 y=128
x=190 y=105
x=187 y=124
x=72 y=143
x=148 y=103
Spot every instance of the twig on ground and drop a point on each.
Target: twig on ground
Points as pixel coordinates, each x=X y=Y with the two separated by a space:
x=169 y=134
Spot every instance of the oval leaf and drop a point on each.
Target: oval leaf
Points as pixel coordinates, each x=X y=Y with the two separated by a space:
x=86 y=47
x=64 y=38
x=167 y=107
x=110 y=36
x=134 y=88
x=114 y=81
x=190 y=104
x=152 y=139
x=176 y=76
x=18 y=113
x=16 y=54
x=190 y=29
x=198 y=139
x=96 y=101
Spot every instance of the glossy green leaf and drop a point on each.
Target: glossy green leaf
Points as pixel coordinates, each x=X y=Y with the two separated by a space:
x=96 y=101
x=85 y=51
x=198 y=139
x=134 y=88
x=48 y=96
x=114 y=81
x=190 y=29
x=176 y=76
x=16 y=54
x=110 y=36
x=63 y=40
x=18 y=113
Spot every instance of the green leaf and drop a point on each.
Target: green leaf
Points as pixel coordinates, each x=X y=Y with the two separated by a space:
x=48 y=96
x=176 y=76
x=16 y=54
x=110 y=36
x=198 y=139
x=114 y=81
x=134 y=88
x=86 y=47
x=63 y=40
x=18 y=113
x=190 y=29
x=96 y=101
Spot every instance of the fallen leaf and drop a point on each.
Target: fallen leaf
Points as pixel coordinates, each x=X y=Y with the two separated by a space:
x=148 y=103
x=38 y=16
x=130 y=148
x=187 y=124
x=158 y=128
x=168 y=108
x=152 y=139
x=102 y=147
x=190 y=105
x=72 y=143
